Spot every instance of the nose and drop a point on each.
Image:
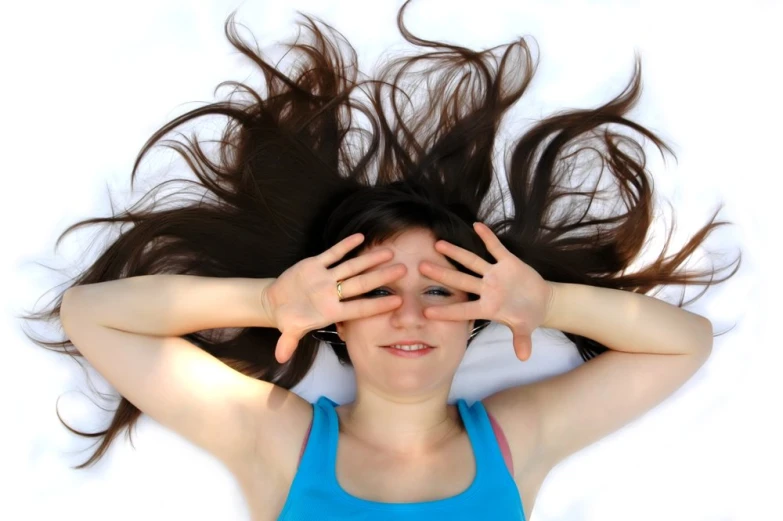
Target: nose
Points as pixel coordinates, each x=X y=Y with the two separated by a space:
x=410 y=314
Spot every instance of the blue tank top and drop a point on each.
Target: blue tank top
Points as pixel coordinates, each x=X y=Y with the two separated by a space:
x=316 y=494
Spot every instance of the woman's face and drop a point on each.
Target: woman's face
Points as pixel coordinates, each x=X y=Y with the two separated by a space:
x=395 y=371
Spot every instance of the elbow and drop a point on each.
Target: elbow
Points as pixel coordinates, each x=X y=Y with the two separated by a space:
x=708 y=332
x=704 y=338
x=68 y=307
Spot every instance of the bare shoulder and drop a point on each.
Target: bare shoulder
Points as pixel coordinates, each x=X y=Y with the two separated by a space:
x=276 y=425
x=517 y=416
x=279 y=429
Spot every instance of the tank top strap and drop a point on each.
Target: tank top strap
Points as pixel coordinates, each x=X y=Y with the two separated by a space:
x=486 y=449
x=320 y=452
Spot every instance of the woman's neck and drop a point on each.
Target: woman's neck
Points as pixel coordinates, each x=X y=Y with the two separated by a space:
x=409 y=426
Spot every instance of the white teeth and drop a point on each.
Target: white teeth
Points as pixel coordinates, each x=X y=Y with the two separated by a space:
x=414 y=347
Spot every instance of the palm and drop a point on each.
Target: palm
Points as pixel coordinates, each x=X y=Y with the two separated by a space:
x=308 y=311
x=510 y=292
x=304 y=297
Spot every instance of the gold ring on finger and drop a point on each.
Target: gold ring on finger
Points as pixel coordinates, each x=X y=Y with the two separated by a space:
x=339 y=290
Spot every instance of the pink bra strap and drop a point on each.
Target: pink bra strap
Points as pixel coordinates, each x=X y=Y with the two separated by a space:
x=502 y=443
x=304 y=443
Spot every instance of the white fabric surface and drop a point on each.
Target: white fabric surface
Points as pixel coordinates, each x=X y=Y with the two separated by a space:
x=85 y=83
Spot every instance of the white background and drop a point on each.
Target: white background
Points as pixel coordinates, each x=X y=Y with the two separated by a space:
x=85 y=83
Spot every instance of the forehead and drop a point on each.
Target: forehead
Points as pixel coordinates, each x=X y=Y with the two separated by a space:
x=412 y=246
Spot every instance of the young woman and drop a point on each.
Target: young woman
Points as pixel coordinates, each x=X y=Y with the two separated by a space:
x=302 y=235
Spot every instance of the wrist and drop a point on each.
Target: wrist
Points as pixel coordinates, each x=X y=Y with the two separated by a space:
x=554 y=305
x=265 y=303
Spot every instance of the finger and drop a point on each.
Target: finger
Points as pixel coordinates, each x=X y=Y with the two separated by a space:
x=493 y=244
x=361 y=284
x=523 y=347
x=462 y=311
x=362 y=263
x=368 y=307
x=340 y=250
x=286 y=345
x=451 y=277
x=467 y=258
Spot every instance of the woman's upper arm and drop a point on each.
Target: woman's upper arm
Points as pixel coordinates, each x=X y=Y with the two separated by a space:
x=554 y=418
x=228 y=414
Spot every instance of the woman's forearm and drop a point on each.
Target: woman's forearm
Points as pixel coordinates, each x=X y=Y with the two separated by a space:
x=169 y=305
x=626 y=321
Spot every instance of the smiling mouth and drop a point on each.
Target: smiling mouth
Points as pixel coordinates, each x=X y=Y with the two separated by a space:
x=414 y=347
x=409 y=351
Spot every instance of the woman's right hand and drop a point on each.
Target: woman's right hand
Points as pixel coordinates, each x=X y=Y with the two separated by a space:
x=304 y=297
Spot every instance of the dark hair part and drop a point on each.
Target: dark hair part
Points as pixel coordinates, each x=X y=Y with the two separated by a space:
x=285 y=182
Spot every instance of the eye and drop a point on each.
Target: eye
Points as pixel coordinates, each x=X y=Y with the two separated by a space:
x=441 y=292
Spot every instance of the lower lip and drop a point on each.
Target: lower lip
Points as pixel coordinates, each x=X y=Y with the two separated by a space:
x=408 y=354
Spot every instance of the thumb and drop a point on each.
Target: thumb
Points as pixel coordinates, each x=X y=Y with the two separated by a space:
x=286 y=345
x=523 y=347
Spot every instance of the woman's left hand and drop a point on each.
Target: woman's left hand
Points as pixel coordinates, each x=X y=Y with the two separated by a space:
x=510 y=292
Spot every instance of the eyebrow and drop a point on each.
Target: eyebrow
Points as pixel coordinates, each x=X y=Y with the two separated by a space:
x=428 y=280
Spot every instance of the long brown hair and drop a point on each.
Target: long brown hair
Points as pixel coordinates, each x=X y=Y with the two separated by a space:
x=294 y=172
